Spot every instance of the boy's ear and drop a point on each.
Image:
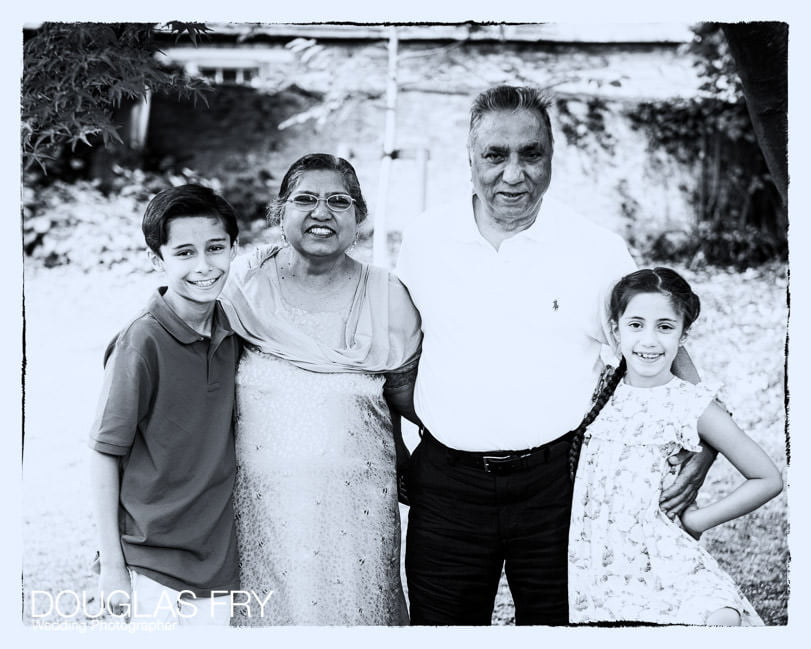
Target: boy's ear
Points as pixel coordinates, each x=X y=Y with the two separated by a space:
x=157 y=262
x=234 y=247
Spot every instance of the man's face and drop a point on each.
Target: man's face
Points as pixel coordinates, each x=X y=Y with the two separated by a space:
x=511 y=165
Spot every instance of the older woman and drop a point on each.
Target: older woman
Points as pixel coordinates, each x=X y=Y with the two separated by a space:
x=316 y=492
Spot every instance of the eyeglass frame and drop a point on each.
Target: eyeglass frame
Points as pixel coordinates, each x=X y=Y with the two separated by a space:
x=319 y=199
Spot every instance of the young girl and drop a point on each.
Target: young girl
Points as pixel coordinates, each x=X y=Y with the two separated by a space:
x=627 y=560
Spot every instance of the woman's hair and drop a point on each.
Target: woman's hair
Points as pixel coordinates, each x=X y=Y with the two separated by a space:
x=650 y=280
x=661 y=280
x=318 y=162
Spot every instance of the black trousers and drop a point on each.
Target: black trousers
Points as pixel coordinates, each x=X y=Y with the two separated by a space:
x=465 y=524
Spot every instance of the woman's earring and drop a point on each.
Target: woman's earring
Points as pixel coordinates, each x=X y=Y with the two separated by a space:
x=354 y=242
x=284 y=236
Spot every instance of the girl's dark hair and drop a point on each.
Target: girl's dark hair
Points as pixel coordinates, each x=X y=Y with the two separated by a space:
x=656 y=280
x=650 y=280
x=608 y=383
x=318 y=162
x=185 y=201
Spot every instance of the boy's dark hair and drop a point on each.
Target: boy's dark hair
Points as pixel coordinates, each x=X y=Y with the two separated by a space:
x=648 y=280
x=318 y=162
x=185 y=201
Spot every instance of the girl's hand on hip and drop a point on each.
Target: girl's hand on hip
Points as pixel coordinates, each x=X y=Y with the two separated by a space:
x=689 y=522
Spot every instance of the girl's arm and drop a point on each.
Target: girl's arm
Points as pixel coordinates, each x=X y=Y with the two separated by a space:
x=763 y=481
x=114 y=580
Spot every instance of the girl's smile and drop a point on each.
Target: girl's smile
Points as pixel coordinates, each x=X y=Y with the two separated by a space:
x=650 y=333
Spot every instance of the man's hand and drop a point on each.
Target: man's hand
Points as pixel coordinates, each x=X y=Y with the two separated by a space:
x=116 y=591
x=694 y=466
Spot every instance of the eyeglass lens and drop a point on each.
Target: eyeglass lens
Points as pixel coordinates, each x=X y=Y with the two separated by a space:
x=337 y=202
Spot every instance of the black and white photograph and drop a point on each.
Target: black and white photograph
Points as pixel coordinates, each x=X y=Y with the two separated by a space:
x=405 y=322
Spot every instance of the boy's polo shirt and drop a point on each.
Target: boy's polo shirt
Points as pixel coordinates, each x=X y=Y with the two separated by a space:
x=166 y=409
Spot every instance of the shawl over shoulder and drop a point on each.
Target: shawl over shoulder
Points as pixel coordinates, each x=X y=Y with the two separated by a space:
x=382 y=330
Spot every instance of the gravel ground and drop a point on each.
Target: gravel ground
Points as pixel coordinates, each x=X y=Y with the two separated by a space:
x=70 y=316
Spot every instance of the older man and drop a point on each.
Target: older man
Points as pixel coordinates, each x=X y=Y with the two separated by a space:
x=513 y=304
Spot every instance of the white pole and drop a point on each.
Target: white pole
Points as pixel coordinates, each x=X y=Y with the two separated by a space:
x=422 y=173
x=380 y=253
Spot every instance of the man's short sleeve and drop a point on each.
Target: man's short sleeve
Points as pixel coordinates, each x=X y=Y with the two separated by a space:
x=124 y=401
x=618 y=263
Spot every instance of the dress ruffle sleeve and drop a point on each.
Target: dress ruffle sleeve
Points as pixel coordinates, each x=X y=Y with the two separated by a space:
x=696 y=400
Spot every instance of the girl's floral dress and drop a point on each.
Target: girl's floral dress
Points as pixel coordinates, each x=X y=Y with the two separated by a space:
x=627 y=560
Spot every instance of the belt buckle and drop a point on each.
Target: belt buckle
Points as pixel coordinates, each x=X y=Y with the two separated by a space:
x=496 y=463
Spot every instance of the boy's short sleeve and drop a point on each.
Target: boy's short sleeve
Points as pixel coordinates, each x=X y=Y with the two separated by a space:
x=124 y=400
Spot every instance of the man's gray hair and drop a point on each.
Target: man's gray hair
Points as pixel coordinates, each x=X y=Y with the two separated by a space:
x=510 y=98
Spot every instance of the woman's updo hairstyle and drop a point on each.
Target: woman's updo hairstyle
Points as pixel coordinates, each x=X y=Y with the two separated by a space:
x=656 y=280
x=318 y=162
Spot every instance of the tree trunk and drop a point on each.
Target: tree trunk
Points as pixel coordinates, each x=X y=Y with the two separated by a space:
x=760 y=50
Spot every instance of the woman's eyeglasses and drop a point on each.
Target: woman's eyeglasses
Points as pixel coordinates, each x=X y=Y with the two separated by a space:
x=335 y=202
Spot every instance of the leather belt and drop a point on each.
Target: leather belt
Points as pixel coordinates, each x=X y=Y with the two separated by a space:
x=501 y=462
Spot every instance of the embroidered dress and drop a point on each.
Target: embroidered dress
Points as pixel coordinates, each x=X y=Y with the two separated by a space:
x=316 y=493
x=315 y=499
x=627 y=560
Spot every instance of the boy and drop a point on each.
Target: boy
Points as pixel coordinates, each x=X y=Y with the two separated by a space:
x=163 y=462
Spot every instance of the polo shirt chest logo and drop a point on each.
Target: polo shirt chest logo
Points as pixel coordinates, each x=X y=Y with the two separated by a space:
x=555 y=305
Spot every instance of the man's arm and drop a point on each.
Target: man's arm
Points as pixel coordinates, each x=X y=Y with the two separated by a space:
x=694 y=466
x=684 y=368
x=114 y=580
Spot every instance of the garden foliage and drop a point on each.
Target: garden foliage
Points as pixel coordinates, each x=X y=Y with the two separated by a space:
x=75 y=76
x=740 y=218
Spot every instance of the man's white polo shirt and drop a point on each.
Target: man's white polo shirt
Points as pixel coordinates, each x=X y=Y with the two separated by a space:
x=512 y=338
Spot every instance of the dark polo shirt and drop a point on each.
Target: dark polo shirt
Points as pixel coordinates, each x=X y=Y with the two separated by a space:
x=166 y=409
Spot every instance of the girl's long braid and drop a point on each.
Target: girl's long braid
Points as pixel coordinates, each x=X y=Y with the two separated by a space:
x=605 y=390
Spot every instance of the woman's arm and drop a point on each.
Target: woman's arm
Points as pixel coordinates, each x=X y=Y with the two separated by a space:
x=763 y=481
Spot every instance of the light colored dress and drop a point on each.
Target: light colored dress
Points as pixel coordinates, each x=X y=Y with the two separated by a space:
x=627 y=560
x=316 y=492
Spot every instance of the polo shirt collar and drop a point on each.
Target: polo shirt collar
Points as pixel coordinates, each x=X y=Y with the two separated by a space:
x=175 y=325
x=466 y=229
x=545 y=223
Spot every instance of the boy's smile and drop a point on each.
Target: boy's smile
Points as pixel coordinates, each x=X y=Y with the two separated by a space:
x=196 y=259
